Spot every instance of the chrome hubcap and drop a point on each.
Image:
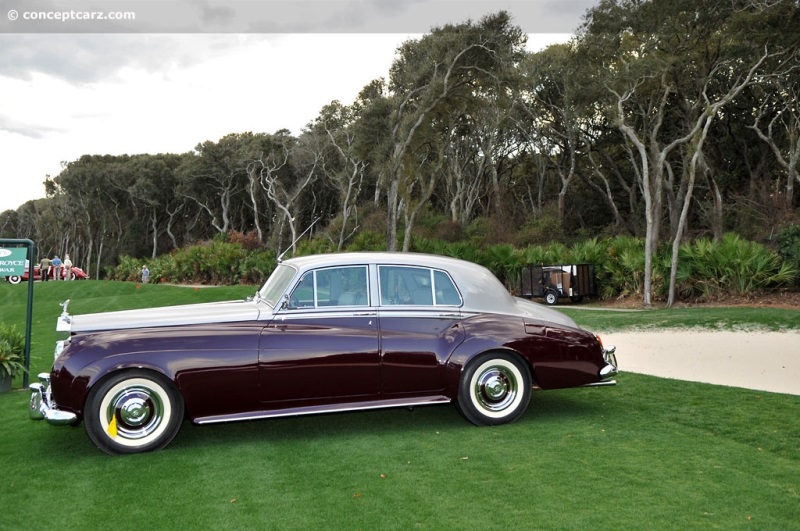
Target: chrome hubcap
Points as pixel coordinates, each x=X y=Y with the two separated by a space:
x=495 y=388
x=134 y=412
x=138 y=412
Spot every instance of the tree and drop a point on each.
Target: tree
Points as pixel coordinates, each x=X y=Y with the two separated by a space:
x=434 y=73
x=344 y=169
x=285 y=188
x=670 y=68
x=153 y=186
x=780 y=114
x=216 y=178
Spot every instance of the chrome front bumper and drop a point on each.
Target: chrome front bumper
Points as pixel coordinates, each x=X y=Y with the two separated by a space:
x=42 y=407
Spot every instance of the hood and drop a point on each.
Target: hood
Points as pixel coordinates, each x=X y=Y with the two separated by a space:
x=212 y=312
x=543 y=313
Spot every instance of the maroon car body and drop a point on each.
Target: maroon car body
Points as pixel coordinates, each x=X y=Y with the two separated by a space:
x=75 y=272
x=325 y=333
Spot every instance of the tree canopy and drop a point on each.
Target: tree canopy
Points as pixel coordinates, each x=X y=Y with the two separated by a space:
x=663 y=119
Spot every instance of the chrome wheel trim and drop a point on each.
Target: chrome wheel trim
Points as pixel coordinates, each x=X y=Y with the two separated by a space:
x=141 y=411
x=495 y=388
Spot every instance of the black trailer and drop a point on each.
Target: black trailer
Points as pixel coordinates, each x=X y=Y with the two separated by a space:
x=553 y=282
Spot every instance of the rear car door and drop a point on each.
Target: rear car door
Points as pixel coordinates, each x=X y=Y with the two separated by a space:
x=420 y=322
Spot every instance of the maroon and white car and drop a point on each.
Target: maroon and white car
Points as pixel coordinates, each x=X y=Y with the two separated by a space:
x=75 y=273
x=325 y=333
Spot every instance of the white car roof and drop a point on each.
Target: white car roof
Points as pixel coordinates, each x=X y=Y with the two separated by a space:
x=480 y=289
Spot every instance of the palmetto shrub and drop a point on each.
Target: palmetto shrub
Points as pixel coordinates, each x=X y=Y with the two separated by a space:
x=128 y=269
x=214 y=262
x=504 y=261
x=789 y=247
x=592 y=251
x=623 y=268
x=709 y=268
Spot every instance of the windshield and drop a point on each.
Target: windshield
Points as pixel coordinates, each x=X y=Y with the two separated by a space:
x=276 y=284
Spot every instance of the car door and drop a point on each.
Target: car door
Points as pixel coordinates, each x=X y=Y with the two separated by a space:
x=321 y=347
x=420 y=324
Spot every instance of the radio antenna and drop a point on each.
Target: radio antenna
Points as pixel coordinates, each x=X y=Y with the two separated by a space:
x=280 y=256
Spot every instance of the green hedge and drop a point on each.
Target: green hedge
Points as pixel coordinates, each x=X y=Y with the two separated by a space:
x=707 y=268
x=214 y=262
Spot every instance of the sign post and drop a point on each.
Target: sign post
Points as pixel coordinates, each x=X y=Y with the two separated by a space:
x=15 y=256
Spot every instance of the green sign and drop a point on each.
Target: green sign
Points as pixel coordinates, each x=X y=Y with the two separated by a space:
x=12 y=261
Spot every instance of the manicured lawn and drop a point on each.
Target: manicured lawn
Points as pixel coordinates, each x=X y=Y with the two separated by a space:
x=646 y=454
x=709 y=318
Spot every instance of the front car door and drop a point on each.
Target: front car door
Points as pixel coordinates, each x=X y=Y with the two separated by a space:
x=322 y=345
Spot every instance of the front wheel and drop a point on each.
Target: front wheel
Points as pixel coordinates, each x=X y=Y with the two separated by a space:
x=132 y=412
x=495 y=389
x=551 y=297
x=14 y=279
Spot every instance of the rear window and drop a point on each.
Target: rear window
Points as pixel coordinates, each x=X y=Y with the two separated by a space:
x=416 y=286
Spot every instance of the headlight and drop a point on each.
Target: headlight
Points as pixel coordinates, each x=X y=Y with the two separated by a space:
x=60 y=347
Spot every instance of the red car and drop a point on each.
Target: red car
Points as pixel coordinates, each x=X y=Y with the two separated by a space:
x=77 y=274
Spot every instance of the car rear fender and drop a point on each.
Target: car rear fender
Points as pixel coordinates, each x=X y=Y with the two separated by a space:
x=466 y=352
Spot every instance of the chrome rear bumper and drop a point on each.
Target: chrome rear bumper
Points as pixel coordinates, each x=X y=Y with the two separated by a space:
x=610 y=370
x=41 y=406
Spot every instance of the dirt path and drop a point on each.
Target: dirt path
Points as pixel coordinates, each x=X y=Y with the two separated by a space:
x=764 y=361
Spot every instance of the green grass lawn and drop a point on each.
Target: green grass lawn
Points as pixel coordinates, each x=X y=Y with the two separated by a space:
x=709 y=318
x=647 y=454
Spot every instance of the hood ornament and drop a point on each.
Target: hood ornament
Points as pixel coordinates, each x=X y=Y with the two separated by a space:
x=64 y=305
x=63 y=323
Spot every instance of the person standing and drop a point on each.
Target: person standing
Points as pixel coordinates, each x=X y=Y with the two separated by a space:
x=56 y=268
x=145 y=274
x=44 y=269
x=67 y=267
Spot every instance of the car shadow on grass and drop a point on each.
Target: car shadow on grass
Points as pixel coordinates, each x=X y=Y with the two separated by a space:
x=547 y=409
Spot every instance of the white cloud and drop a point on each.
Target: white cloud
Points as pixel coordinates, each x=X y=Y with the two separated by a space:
x=201 y=88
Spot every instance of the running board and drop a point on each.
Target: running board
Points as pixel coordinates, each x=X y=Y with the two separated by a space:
x=595 y=384
x=331 y=408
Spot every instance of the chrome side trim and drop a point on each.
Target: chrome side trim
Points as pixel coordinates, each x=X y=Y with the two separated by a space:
x=332 y=408
x=601 y=384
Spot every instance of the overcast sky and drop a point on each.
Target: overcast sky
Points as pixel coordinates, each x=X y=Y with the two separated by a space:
x=156 y=84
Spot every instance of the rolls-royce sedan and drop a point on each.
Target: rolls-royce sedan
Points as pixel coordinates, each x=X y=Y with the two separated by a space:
x=325 y=333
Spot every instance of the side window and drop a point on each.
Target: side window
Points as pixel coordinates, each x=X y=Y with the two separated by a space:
x=393 y=286
x=416 y=286
x=444 y=289
x=303 y=294
x=338 y=286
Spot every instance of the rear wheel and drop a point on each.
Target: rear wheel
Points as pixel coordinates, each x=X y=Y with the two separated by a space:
x=495 y=389
x=133 y=411
x=551 y=297
x=14 y=279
